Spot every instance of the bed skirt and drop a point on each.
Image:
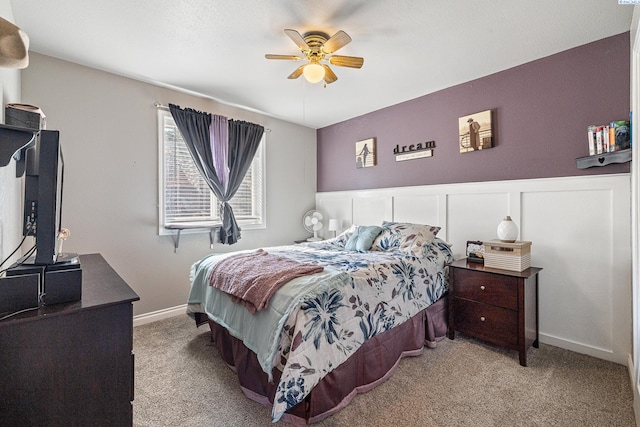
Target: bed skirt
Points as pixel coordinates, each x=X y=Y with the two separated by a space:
x=370 y=365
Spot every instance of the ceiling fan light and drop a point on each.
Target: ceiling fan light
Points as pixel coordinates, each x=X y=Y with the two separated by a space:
x=314 y=73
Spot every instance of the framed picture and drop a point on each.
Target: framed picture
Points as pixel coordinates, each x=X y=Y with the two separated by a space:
x=366 y=153
x=475 y=251
x=474 y=132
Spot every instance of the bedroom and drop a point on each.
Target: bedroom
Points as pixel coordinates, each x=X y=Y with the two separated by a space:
x=111 y=194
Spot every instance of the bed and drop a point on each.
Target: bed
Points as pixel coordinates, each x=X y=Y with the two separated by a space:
x=325 y=336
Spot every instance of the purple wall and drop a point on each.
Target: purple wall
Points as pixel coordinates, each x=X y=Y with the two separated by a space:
x=540 y=110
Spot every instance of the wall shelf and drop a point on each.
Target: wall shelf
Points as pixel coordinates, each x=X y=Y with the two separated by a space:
x=179 y=227
x=604 y=159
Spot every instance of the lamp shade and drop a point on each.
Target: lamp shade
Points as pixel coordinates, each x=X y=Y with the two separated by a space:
x=313 y=73
x=334 y=224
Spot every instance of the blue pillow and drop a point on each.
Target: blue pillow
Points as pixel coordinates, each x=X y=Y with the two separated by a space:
x=362 y=238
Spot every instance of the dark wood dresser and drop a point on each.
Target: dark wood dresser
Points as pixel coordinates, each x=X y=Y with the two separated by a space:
x=71 y=364
x=493 y=305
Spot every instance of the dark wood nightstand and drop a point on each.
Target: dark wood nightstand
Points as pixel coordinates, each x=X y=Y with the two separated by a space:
x=493 y=305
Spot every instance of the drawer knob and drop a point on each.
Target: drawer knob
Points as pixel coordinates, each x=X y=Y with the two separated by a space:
x=482 y=319
x=482 y=288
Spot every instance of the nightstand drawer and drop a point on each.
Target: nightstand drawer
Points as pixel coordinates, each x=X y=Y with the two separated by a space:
x=489 y=288
x=487 y=322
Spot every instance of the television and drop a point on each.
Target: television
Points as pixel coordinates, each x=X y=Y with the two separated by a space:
x=44 y=172
x=43 y=195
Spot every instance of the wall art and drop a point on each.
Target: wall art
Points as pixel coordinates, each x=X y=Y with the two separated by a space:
x=414 y=151
x=474 y=132
x=366 y=153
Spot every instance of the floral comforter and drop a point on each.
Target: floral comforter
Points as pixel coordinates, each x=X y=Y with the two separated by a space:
x=384 y=289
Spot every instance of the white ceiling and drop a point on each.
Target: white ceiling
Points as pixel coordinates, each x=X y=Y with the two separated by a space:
x=216 y=47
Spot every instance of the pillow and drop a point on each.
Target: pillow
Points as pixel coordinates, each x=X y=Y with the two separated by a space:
x=362 y=238
x=438 y=246
x=404 y=236
x=342 y=238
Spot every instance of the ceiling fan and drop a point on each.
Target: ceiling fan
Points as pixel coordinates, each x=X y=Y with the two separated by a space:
x=316 y=47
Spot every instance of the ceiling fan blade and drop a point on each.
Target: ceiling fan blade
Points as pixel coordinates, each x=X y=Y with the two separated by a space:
x=346 y=61
x=336 y=41
x=297 y=73
x=288 y=57
x=297 y=39
x=329 y=75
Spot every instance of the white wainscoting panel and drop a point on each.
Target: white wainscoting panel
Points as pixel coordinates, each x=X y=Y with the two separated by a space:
x=419 y=209
x=569 y=288
x=371 y=210
x=580 y=231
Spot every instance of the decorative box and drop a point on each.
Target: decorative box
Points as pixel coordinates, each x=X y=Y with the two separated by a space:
x=514 y=256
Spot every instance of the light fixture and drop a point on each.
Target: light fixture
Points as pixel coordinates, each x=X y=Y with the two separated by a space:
x=334 y=225
x=313 y=72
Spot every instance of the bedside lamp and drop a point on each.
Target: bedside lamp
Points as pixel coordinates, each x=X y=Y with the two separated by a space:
x=334 y=225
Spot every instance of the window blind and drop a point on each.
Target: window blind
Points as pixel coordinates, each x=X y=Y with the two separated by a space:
x=186 y=197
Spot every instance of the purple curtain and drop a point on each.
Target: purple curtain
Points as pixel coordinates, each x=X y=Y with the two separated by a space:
x=222 y=150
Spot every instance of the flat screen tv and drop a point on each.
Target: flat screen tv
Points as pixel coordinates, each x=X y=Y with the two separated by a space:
x=43 y=185
x=43 y=195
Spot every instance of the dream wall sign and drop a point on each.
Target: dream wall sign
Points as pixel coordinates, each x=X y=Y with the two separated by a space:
x=414 y=151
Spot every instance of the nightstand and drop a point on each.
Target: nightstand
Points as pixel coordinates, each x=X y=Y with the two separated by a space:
x=493 y=305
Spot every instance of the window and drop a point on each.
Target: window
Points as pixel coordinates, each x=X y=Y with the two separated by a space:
x=186 y=199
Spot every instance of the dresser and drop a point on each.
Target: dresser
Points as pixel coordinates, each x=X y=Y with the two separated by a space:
x=71 y=364
x=493 y=305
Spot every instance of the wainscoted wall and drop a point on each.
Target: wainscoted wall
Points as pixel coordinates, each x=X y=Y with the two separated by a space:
x=541 y=111
x=580 y=233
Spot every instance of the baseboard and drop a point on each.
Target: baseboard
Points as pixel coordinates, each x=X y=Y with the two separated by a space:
x=636 y=391
x=154 y=316
x=583 y=349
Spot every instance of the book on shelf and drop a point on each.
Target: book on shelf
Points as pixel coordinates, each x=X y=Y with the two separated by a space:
x=608 y=138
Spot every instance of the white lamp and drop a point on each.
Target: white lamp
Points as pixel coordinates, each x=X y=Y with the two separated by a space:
x=334 y=225
x=313 y=72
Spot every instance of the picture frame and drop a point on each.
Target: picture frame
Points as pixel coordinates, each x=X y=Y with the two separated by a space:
x=366 y=153
x=475 y=132
x=475 y=251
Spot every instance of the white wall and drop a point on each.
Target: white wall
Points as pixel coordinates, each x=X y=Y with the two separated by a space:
x=634 y=363
x=10 y=186
x=580 y=231
x=108 y=132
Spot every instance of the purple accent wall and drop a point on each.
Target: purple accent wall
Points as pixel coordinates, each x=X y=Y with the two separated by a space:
x=540 y=110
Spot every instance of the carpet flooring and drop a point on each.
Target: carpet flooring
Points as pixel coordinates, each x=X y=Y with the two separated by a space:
x=180 y=380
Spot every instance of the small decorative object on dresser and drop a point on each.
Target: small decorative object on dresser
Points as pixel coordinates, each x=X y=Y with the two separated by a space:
x=507 y=230
x=475 y=251
x=493 y=305
x=515 y=256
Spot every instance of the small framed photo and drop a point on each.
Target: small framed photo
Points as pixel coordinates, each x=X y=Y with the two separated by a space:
x=475 y=132
x=475 y=251
x=366 y=153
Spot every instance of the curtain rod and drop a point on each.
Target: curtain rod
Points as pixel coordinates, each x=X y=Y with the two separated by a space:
x=164 y=107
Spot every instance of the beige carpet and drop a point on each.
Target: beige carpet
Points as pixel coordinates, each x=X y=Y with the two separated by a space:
x=181 y=381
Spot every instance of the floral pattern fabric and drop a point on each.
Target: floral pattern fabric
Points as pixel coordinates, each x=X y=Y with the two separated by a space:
x=386 y=289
